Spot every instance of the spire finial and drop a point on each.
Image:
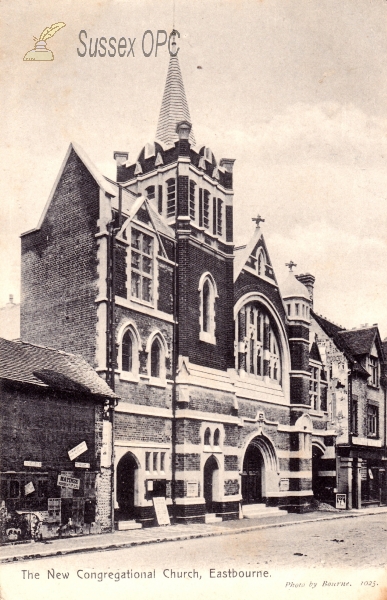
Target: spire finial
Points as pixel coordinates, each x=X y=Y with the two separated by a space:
x=258 y=220
x=290 y=264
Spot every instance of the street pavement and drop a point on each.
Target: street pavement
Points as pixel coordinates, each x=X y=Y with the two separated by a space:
x=328 y=557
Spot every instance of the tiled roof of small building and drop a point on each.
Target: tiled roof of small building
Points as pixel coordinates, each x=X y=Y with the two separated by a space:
x=28 y=363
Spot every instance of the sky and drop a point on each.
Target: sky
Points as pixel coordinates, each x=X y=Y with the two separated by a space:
x=296 y=92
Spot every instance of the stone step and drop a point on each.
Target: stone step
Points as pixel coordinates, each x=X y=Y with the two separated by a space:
x=212 y=518
x=127 y=525
x=258 y=511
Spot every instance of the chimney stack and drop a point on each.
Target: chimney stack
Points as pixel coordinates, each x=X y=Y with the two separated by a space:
x=308 y=281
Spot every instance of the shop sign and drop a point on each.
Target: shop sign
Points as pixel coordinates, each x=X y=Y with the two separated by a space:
x=80 y=465
x=192 y=489
x=68 y=482
x=80 y=449
x=161 y=509
x=29 y=488
x=32 y=463
x=341 y=501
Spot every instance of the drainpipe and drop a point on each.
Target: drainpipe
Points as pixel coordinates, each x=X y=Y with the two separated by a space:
x=175 y=355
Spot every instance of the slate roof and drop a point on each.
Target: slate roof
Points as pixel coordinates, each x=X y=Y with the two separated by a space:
x=174 y=106
x=45 y=367
x=314 y=353
x=359 y=341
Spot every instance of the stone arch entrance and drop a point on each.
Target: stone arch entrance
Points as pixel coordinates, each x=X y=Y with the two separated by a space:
x=210 y=479
x=126 y=486
x=252 y=475
x=318 y=484
x=259 y=470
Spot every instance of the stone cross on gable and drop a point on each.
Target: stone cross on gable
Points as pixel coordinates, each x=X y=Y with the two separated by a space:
x=290 y=264
x=258 y=220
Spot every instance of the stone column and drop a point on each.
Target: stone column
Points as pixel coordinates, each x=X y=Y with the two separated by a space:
x=357 y=482
x=345 y=479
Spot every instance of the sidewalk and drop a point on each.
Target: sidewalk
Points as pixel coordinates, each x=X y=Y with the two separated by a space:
x=127 y=539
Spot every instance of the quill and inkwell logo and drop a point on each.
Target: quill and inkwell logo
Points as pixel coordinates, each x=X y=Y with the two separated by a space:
x=41 y=52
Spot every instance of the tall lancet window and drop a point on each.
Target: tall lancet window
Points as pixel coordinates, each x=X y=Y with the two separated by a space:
x=171 y=197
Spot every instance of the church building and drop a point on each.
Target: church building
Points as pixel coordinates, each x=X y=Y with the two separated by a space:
x=211 y=362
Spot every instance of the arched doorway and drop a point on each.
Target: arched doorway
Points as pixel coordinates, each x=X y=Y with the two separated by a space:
x=318 y=484
x=126 y=476
x=252 y=475
x=210 y=475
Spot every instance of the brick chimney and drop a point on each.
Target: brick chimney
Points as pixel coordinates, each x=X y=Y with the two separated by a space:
x=308 y=281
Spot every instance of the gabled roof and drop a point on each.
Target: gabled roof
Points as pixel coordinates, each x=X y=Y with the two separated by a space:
x=131 y=206
x=360 y=341
x=174 y=106
x=331 y=329
x=28 y=363
x=242 y=253
x=102 y=181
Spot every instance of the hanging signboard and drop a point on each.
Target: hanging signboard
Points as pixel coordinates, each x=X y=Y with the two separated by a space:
x=341 y=501
x=81 y=465
x=68 y=482
x=80 y=449
x=161 y=509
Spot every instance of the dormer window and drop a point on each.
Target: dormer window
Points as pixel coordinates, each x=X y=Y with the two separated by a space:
x=141 y=266
x=171 y=197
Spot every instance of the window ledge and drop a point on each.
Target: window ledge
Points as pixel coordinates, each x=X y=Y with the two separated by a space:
x=213 y=449
x=128 y=376
x=157 y=382
x=209 y=338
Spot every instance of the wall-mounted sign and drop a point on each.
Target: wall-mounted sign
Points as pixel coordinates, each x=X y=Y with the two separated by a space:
x=80 y=449
x=161 y=509
x=80 y=465
x=284 y=485
x=341 y=501
x=149 y=485
x=29 y=488
x=68 y=482
x=192 y=489
x=32 y=463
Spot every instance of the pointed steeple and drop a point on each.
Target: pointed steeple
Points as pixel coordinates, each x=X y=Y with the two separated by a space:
x=174 y=106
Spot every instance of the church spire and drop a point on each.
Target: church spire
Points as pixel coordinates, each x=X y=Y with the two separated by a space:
x=174 y=106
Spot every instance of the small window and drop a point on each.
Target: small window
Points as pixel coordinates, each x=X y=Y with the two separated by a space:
x=373 y=367
x=372 y=420
x=216 y=437
x=155 y=460
x=162 y=461
x=288 y=306
x=192 y=199
x=220 y=219
x=206 y=209
x=127 y=352
x=155 y=358
x=207 y=437
x=206 y=306
x=147 y=461
x=150 y=192
x=171 y=197
x=297 y=310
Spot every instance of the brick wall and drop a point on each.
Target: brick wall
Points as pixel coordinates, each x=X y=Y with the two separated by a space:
x=193 y=262
x=59 y=267
x=144 y=428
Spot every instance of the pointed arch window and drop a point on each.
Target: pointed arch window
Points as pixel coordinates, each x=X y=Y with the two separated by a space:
x=260 y=354
x=127 y=352
x=155 y=358
x=216 y=437
x=207 y=298
x=207 y=437
x=150 y=192
x=128 y=361
x=261 y=263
